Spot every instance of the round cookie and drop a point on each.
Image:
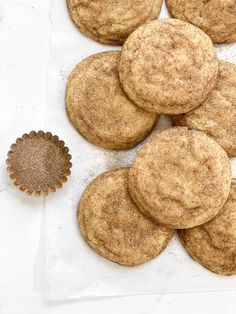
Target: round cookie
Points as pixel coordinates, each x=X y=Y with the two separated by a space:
x=214 y=244
x=113 y=226
x=100 y=110
x=181 y=178
x=168 y=66
x=111 y=21
x=217 y=18
x=217 y=115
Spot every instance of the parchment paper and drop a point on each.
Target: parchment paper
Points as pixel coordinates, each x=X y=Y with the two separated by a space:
x=73 y=270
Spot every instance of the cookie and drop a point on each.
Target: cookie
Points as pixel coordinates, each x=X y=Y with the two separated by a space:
x=100 y=110
x=111 y=21
x=217 y=115
x=214 y=244
x=216 y=17
x=181 y=178
x=113 y=226
x=168 y=66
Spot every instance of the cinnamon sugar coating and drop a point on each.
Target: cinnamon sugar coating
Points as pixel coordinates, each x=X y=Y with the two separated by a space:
x=114 y=227
x=168 y=66
x=181 y=178
x=98 y=107
x=216 y=116
x=39 y=163
x=111 y=21
x=214 y=244
x=217 y=18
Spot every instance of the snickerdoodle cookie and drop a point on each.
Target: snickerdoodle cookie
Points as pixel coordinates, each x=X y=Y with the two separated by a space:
x=111 y=21
x=181 y=178
x=217 y=18
x=214 y=244
x=217 y=115
x=168 y=66
x=114 y=227
x=100 y=110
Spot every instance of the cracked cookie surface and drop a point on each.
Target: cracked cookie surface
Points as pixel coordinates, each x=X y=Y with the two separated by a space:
x=214 y=244
x=217 y=18
x=217 y=115
x=114 y=227
x=100 y=110
x=168 y=66
x=181 y=178
x=111 y=21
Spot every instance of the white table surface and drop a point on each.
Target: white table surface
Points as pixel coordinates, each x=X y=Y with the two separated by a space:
x=25 y=27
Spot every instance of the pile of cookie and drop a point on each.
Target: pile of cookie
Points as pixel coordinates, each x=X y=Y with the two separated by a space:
x=180 y=179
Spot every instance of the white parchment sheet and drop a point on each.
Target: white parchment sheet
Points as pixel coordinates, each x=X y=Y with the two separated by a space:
x=73 y=269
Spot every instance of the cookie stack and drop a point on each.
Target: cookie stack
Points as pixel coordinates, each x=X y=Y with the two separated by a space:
x=180 y=179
